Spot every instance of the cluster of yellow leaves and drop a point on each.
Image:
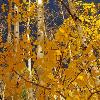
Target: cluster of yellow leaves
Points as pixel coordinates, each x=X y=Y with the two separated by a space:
x=11 y=61
x=74 y=78
x=77 y=73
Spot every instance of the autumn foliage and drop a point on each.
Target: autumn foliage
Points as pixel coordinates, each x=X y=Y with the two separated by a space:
x=70 y=66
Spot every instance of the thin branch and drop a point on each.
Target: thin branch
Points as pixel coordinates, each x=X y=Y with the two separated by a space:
x=61 y=94
x=75 y=18
x=88 y=89
x=97 y=92
x=31 y=81
x=38 y=84
x=67 y=8
x=74 y=78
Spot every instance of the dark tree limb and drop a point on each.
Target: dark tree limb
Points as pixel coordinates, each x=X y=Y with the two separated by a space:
x=97 y=92
x=45 y=88
x=74 y=79
x=68 y=10
x=61 y=94
x=30 y=81
x=74 y=16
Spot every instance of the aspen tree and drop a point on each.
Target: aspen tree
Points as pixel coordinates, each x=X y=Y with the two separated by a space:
x=9 y=22
x=16 y=27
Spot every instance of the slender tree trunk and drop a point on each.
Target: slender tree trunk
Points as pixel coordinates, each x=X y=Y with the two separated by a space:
x=78 y=23
x=16 y=27
x=70 y=52
x=30 y=91
x=62 y=12
x=12 y=98
x=2 y=90
x=28 y=39
x=16 y=34
x=41 y=36
x=9 y=23
x=41 y=29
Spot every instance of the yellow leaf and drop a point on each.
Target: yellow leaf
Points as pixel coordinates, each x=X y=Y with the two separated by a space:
x=58 y=52
x=60 y=86
x=62 y=30
x=50 y=76
x=80 y=77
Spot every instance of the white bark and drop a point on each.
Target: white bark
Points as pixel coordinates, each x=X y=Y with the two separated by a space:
x=9 y=33
x=70 y=52
x=29 y=66
x=28 y=39
x=9 y=24
x=30 y=91
x=62 y=98
x=41 y=28
x=16 y=29
x=12 y=98
x=62 y=12
x=40 y=52
x=2 y=90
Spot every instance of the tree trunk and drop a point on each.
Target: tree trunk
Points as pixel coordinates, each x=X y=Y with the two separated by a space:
x=78 y=23
x=28 y=39
x=9 y=23
x=62 y=12
x=41 y=29
x=30 y=91
x=2 y=90
x=41 y=36
x=16 y=28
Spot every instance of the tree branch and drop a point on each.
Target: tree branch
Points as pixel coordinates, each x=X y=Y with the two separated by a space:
x=74 y=78
x=61 y=94
x=67 y=8
x=37 y=84
x=30 y=81
x=93 y=94
x=75 y=18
